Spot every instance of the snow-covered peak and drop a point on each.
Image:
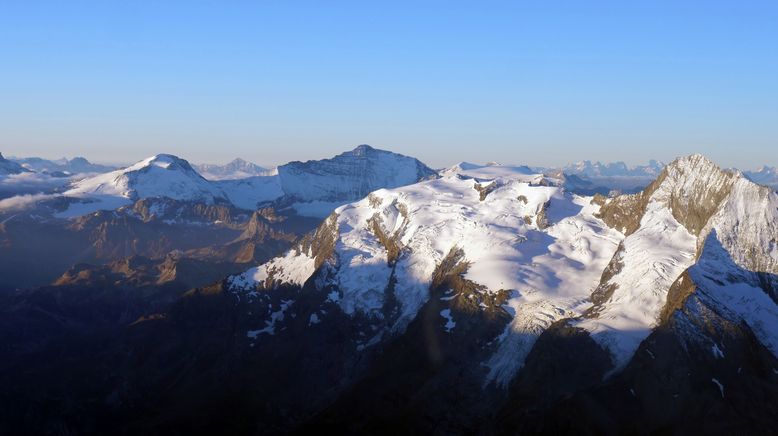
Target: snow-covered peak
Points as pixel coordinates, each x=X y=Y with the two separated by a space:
x=316 y=188
x=538 y=250
x=694 y=172
x=361 y=150
x=690 y=201
x=236 y=169
x=746 y=224
x=461 y=166
x=166 y=161
x=312 y=188
x=693 y=188
x=493 y=170
x=694 y=160
x=351 y=175
x=162 y=175
x=79 y=165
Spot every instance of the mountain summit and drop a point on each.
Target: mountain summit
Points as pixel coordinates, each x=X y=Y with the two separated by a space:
x=502 y=285
x=351 y=175
x=236 y=169
x=312 y=188
x=163 y=175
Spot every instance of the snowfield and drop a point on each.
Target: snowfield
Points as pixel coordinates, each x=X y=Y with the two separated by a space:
x=543 y=244
x=162 y=175
x=313 y=188
x=548 y=249
x=653 y=258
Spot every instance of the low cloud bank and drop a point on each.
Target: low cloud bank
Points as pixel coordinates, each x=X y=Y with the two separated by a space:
x=20 y=202
x=32 y=181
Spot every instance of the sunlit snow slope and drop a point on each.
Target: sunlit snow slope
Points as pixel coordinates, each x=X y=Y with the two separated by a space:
x=542 y=245
x=162 y=175
x=604 y=265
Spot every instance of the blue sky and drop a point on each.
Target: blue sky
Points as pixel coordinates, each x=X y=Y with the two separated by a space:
x=541 y=83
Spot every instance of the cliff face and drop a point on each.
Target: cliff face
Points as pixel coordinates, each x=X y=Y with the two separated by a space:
x=350 y=176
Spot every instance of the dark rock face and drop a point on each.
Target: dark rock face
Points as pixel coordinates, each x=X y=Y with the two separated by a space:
x=563 y=361
x=34 y=252
x=698 y=372
x=136 y=271
x=424 y=380
x=483 y=191
x=625 y=211
x=604 y=291
x=193 y=368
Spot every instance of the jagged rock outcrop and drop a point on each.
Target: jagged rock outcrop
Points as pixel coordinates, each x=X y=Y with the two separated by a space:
x=35 y=251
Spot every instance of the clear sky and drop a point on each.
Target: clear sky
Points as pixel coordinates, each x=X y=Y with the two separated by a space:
x=541 y=82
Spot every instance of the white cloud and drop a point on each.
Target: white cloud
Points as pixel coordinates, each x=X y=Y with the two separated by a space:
x=23 y=201
x=26 y=182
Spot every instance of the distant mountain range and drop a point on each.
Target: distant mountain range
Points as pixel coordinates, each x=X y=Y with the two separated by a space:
x=244 y=180
x=767 y=176
x=310 y=188
x=146 y=208
x=236 y=169
x=162 y=175
x=614 y=169
x=62 y=167
x=10 y=167
x=368 y=293
x=616 y=174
